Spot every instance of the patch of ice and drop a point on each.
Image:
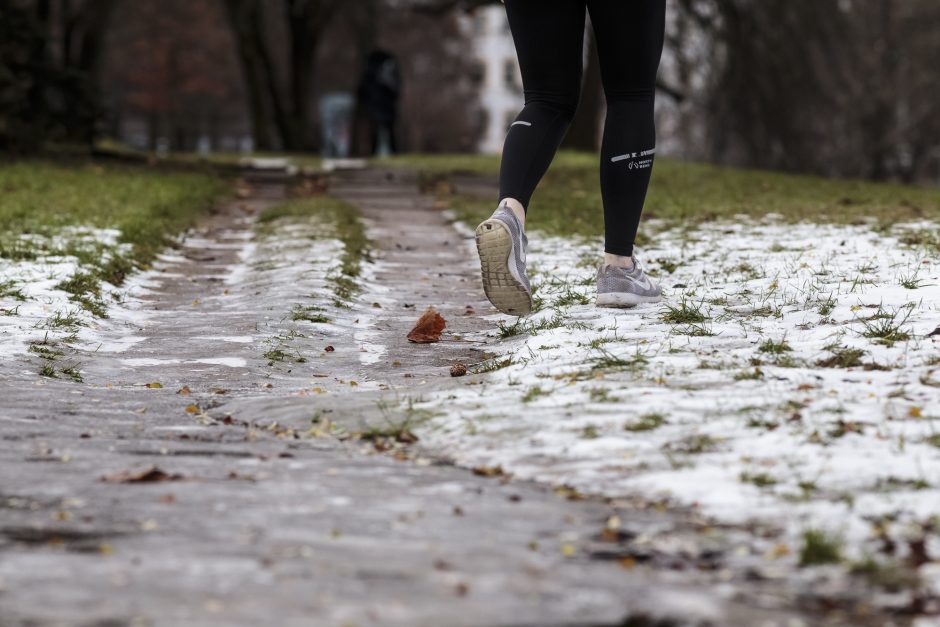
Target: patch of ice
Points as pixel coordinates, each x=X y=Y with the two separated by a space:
x=231 y=362
x=235 y=339
x=143 y=362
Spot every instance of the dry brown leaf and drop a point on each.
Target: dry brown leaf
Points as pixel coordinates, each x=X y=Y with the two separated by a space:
x=151 y=474
x=489 y=471
x=428 y=328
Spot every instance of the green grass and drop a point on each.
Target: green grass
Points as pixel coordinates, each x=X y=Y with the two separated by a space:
x=774 y=348
x=843 y=357
x=646 y=422
x=40 y=200
x=760 y=479
x=9 y=289
x=820 y=547
x=886 y=327
x=146 y=206
x=308 y=314
x=695 y=444
x=686 y=313
x=568 y=201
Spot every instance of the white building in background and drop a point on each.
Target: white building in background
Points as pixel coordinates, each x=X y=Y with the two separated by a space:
x=501 y=96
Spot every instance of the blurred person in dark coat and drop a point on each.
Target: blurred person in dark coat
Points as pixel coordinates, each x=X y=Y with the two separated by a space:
x=379 y=92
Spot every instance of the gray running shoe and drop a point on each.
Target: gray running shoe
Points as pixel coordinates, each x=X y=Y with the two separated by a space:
x=502 y=244
x=619 y=287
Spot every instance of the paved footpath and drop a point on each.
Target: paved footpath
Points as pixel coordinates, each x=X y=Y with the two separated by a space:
x=246 y=522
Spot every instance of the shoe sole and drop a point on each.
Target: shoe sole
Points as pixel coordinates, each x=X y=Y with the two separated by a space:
x=494 y=244
x=624 y=300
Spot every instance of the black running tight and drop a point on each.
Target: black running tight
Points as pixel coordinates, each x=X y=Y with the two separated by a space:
x=549 y=39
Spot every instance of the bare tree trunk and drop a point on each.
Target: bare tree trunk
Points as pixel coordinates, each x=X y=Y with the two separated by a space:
x=243 y=15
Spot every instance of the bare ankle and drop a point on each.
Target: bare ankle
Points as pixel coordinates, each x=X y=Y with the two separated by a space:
x=618 y=261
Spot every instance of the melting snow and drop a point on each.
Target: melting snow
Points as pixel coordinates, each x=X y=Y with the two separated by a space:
x=735 y=413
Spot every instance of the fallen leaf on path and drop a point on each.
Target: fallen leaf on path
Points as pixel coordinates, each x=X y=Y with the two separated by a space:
x=184 y=390
x=329 y=349
x=192 y=409
x=155 y=385
x=151 y=474
x=428 y=328
x=488 y=471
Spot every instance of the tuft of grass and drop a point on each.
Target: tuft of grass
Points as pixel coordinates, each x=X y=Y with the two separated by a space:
x=607 y=361
x=925 y=239
x=491 y=365
x=68 y=321
x=668 y=265
x=84 y=289
x=750 y=375
x=843 y=357
x=886 y=327
x=590 y=432
x=525 y=326
x=398 y=431
x=601 y=395
x=685 y=313
x=9 y=289
x=571 y=297
x=73 y=373
x=774 y=348
x=45 y=350
x=646 y=422
x=279 y=355
x=697 y=330
x=827 y=306
x=912 y=281
x=819 y=548
x=533 y=393
x=761 y=479
x=308 y=314
x=695 y=444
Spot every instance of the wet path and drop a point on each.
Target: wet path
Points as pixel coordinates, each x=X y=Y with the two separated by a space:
x=259 y=515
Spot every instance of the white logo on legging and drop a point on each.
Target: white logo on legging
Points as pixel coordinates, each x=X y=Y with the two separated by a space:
x=633 y=155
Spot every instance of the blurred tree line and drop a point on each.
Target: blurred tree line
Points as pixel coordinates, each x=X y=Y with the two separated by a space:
x=834 y=87
x=71 y=70
x=831 y=87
